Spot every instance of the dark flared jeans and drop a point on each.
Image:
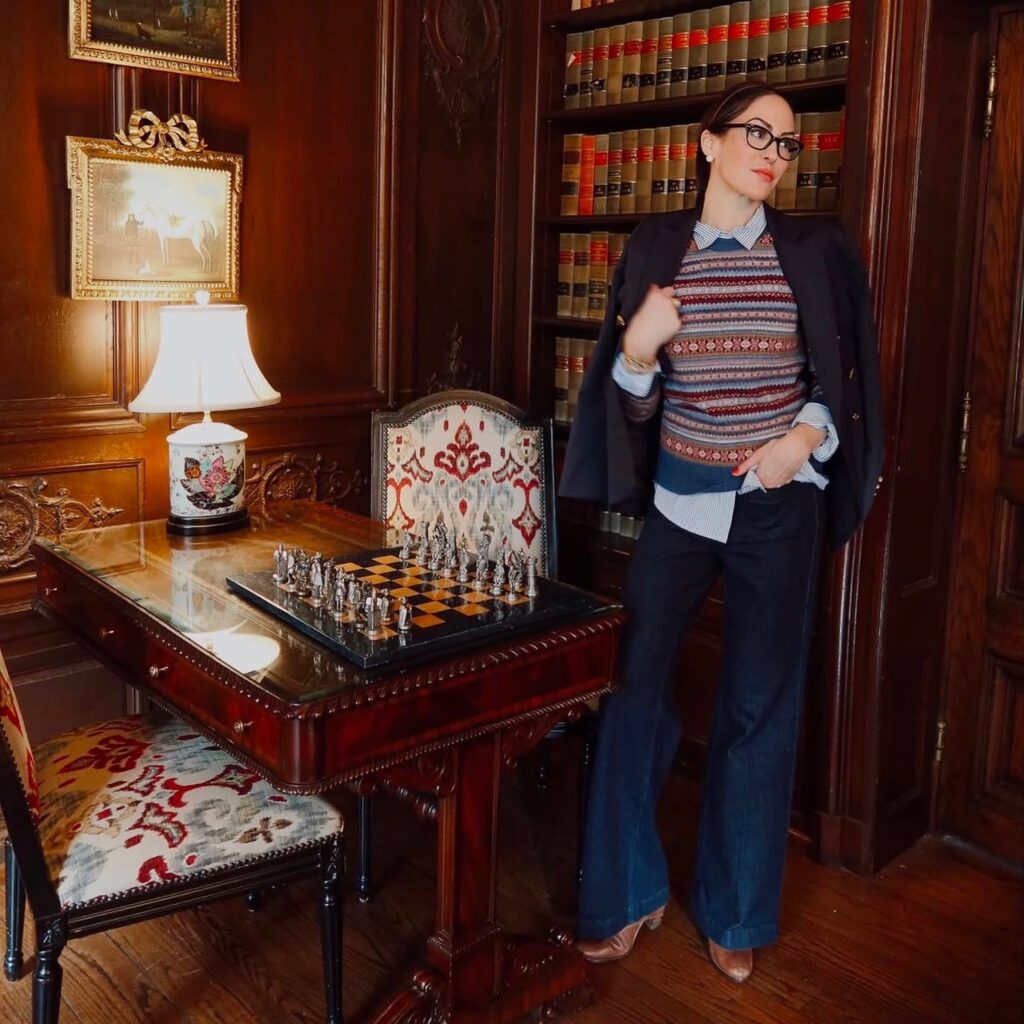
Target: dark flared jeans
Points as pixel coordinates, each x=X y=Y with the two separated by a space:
x=769 y=563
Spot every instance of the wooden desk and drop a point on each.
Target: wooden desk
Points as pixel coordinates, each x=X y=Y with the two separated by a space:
x=155 y=609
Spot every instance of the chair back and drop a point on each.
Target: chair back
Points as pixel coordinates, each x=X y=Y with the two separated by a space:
x=15 y=746
x=476 y=461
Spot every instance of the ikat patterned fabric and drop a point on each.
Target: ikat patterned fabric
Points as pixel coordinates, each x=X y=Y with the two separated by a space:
x=15 y=738
x=143 y=801
x=479 y=468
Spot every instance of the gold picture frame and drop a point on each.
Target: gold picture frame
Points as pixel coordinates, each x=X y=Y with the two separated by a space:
x=189 y=37
x=154 y=214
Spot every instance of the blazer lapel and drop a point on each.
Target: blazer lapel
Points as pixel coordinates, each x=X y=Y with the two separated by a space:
x=664 y=256
x=803 y=263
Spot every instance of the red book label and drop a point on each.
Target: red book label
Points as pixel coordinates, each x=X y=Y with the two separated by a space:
x=576 y=364
x=570 y=156
x=680 y=40
x=677 y=151
x=839 y=11
x=614 y=51
x=576 y=57
x=601 y=158
x=601 y=52
x=828 y=141
x=661 y=152
x=664 y=44
x=739 y=30
x=614 y=156
x=817 y=16
x=778 y=22
x=631 y=47
x=759 y=27
x=718 y=34
x=699 y=37
x=644 y=153
x=565 y=257
x=598 y=252
x=811 y=141
x=588 y=55
x=798 y=19
x=629 y=156
x=649 y=46
x=691 y=150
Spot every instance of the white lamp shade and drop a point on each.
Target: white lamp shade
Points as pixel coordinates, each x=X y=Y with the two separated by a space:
x=204 y=363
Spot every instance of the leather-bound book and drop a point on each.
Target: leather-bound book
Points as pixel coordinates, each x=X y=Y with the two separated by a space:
x=597 y=289
x=616 y=42
x=649 y=60
x=692 y=142
x=644 y=169
x=757 y=42
x=663 y=81
x=796 y=55
x=616 y=243
x=810 y=157
x=817 y=38
x=739 y=43
x=561 y=392
x=631 y=62
x=586 y=68
x=601 y=174
x=659 y=175
x=563 y=305
x=778 y=40
x=698 y=82
x=830 y=160
x=580 y=275
x=599 y=81
x=577 y=356
x=627 y=186
x=587 y=153
x=573 y=59
x=680 y=54
x=571 y=146
x=614 y=172
x=718 y=47
x=838 y=39
x=677 y=167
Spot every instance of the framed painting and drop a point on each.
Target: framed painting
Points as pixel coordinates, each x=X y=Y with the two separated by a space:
x=151 y=221
x=190 y=37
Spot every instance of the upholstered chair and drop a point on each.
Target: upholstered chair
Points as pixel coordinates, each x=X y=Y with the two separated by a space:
x=134 y=818
x=481 y=467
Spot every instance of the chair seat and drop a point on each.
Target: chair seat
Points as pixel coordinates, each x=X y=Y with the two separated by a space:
x=143 y=802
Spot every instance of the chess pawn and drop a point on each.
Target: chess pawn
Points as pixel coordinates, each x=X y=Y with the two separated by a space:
x=406 y=549
x=531 y=576
x=280 y=564
x=404 y=616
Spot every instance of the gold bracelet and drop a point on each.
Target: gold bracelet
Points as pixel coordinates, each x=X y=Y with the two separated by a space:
x=634 y=365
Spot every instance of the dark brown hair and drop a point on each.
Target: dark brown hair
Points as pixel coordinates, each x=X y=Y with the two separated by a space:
x=728 y=108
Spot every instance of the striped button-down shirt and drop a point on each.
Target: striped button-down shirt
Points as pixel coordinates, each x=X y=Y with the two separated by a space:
x=710 y=515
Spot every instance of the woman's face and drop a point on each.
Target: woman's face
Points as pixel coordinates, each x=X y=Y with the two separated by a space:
x=751 y=172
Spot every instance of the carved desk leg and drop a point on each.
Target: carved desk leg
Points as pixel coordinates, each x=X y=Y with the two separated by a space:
x=478 y=975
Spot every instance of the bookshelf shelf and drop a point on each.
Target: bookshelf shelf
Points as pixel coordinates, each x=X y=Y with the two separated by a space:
x=567 y=323
x=625 y=10
x=822 y=93
x=624 y=221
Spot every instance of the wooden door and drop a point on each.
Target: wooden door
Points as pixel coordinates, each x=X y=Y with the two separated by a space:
x=981 y=790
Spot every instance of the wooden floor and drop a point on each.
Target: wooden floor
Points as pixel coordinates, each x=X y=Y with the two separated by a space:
x=931 y=939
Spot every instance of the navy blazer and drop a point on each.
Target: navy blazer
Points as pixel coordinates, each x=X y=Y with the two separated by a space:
x=610 y=460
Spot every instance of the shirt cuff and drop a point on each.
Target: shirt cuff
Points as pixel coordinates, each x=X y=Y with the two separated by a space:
x=636 y=384
x=816 y=414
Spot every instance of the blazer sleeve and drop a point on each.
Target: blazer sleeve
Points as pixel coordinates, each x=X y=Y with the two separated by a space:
x=868 y=368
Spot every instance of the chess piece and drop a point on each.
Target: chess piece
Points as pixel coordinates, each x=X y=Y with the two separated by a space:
x=280 y=564
x=498 y=578
x=404 y=616
x=463 y=561
x=371 y=614
x=452 y=558
x=423 y=554
x=384 y=603
x=405 y=550
x=354 y=594
x=441 y=537
x=515 y=578
x=338 y=600
x=531 y=576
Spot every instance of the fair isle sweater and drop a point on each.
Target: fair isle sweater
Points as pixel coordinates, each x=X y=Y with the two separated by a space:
x=739 y=378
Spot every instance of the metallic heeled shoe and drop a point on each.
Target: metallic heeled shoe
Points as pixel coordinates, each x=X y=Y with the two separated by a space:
x=737 y=964
x=619 y=945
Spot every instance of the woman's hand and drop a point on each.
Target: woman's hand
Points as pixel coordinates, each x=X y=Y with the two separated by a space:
x=777 y=461
x=655 y=322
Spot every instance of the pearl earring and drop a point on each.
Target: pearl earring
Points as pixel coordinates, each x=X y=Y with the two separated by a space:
x=709 y=157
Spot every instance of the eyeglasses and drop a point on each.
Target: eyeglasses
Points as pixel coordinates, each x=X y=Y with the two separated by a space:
x=760 y=137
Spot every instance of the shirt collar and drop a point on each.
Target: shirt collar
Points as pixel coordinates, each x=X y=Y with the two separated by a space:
x=705 y=235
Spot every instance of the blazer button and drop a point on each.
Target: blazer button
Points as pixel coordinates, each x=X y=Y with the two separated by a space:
x=851 y=373
x=854 y=415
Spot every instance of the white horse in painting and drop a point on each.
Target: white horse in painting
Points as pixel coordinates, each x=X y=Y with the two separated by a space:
x=200 y=232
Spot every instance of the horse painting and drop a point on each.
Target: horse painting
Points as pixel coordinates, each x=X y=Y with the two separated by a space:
x=202 y=233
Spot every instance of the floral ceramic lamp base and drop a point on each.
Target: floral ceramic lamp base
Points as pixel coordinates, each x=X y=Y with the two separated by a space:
x=207 y=475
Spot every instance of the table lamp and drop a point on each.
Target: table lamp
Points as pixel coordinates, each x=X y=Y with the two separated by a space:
x=205 y=365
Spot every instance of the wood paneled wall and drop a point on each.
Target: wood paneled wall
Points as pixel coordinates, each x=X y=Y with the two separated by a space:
x=372 y=259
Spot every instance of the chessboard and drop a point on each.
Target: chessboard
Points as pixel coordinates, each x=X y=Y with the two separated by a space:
x=445 y=614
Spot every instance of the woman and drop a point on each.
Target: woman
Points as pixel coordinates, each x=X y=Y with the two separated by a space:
x=734 y=391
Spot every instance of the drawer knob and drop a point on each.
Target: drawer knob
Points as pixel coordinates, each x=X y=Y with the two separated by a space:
x=156 y=671
x=47 y=591
x=240 y=727
x=106 y=632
